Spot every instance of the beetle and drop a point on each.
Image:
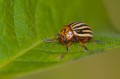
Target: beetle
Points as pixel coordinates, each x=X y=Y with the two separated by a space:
x=74 y=32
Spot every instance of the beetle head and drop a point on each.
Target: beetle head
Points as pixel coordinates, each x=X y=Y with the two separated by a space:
x=61 y=38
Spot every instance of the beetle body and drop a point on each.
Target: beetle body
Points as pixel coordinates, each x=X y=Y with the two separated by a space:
x=75 y=32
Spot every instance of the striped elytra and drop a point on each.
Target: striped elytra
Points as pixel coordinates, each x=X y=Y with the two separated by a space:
x=81 y=29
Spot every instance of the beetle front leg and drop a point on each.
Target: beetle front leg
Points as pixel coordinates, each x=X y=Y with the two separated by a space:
x=53 y=39
x=50 y=40
x=68 y=45
x=56 y=37
x=65 y=44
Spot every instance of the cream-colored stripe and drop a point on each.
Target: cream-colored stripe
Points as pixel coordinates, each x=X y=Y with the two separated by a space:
x=78 y=24
x=87 y=31
x=81 y=27
x=74 y=23
x=85 y=35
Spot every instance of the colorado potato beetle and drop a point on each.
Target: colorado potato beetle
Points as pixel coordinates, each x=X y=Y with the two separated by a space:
x=74 y=32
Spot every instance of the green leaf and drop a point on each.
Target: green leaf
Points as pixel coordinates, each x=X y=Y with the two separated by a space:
x=25 y=23
x=99 y=66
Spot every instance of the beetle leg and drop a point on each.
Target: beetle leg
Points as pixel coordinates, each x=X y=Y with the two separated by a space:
x=62 y=40
x=83 y=45
x=54 y=39
x=50 y=40
x=84 y=40
x=68 y=45
x=67 y=48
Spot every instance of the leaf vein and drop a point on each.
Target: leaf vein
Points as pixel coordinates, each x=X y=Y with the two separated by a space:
x=22 y=52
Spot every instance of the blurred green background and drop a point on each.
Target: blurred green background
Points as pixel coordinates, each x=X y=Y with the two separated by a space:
x=25 y=23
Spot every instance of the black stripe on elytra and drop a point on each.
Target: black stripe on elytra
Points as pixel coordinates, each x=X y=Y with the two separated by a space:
x=85 y=33
x=74 y=23
x=80 y=32
x=71 y=23
x=80 y=26
x=86 y=29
